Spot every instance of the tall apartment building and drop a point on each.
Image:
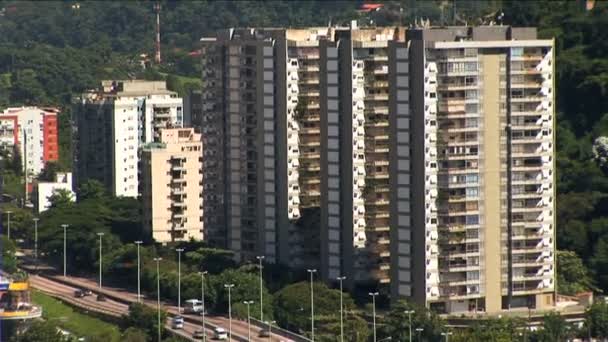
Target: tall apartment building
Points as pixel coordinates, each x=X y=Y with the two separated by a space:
x=481 y=232
x=112 y=123
x=260 y=124
x=33 y=131
x=356 y=190
x=172 y=187
x=421 y=161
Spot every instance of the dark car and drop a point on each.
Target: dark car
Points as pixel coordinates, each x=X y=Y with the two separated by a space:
x=87 y=292
x=264 y=333
x=79 y=294
x=101 y=298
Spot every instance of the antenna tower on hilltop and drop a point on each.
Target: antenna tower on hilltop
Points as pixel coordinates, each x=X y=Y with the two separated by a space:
x=157 y=45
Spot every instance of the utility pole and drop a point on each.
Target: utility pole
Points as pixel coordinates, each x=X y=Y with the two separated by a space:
x=8 y=223
x=179 y=280
x=36 y=240
x=138 y=243
x=312 y=305
x=157 y=45
x=374 y=294
x=24 y=167
x=158 y=294
x=260 y=259
x=341 y=279
x=100 y=257
x=64 y=226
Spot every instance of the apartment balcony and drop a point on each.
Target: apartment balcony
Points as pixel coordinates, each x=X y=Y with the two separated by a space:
x=376 y=201
x=309 y=93
x=532 y=262
x=380 y=70
x=456 y=86
x=376 y=214
x=528 y=98
x=376 y=123
x=178 y=215
x=309 y=80
x=527 y=85
x=528 y=287
x=459 y=282
x=457 y=292
x=377 y=83
x=377 y=148
x=377 y=175
x=179 y=180
x=162 y=113
x=310 y=142
x=458 y=129
x=383 y=110
x=527 y=58
x=457 y=266
x=309 y=68
x=310 y=118
x=454 y=228
x=310 y=131
x=459 y=156
x=376 y=97
x=526 y=71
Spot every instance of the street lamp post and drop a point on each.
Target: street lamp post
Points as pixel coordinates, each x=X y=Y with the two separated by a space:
x=270 y=329
x=419 y=331
x=447 y=335
x=229 y=286
x=179 y=279
x=64 y=226
x=138 y=243
x=409 y=314
x=312 y=306
x=248 y=303
x=374 y=294
x=100 y=257
x=35 y=219
x=260 y=259
x=341 y=279
x=8 y=223
x=203 y=301
x=158 y=293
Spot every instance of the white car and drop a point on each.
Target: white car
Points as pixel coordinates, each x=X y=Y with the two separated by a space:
x=178 y=322
x=220 y=334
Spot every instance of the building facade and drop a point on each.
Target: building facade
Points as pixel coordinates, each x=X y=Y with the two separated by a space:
x=112 y=123
x=172 y=190
x=418 y=161
x=261 y=128
x=33 y=132
x=481 y=233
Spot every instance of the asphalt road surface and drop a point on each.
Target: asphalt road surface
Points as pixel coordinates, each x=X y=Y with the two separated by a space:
x=117 y=303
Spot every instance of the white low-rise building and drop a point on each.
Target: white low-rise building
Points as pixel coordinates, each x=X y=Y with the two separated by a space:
x=44 y=190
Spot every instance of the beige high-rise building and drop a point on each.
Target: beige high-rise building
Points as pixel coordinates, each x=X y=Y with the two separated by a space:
x=481 y=234
x=172 y=191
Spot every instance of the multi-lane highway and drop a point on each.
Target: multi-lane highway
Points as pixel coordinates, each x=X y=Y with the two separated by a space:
x=118 y=300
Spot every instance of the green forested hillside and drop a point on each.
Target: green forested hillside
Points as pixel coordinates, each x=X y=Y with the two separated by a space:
x=51 y=50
